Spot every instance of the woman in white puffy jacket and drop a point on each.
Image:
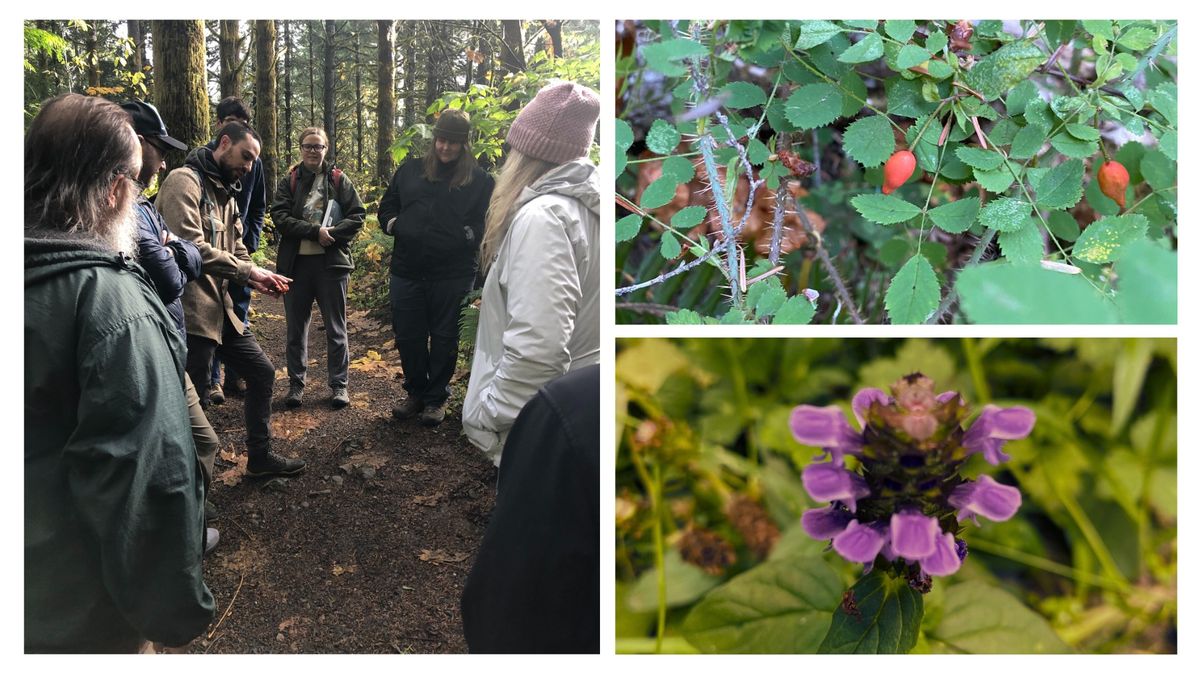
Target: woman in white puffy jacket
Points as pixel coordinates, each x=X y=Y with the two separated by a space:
x=540 y=310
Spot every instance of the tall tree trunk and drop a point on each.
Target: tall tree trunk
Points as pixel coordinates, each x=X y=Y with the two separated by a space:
x=264 y=98
x=137 y=59
x=385 y=114
x=312 y=73
x=287 y=93
x=230 y=43
x=91 y=43
x=358 y=97
x=328 y=84
x=180 y=76
x=484 y=60
x=554 y=31
x=431 y=77
x=512 y=54
x=410 y=74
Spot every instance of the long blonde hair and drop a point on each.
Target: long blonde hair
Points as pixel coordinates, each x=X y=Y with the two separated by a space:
x=519 y=172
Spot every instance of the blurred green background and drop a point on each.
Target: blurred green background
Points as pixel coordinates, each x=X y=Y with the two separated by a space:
x=708 y=477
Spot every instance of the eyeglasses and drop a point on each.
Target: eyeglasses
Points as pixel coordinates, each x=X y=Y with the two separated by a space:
x=308 y=147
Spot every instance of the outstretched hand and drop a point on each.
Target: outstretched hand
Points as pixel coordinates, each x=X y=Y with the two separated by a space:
x=266 y=281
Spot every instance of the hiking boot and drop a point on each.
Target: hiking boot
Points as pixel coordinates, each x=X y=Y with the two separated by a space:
x=210 y=512
x=433 y=415
x=272 y=464
x=341 y=398
x=407 y=408
x=294 y=396
x=216 y=394
x=211 y=537
x=234 y=386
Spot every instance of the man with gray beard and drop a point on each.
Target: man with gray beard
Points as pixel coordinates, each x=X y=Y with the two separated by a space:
x=114 y=528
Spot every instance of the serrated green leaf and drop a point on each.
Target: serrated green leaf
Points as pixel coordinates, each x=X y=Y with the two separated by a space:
x=742 y=95
x=1107 y=239
x=886 y=618
x=1019 y=97
x=1004 y=68
x=628 y=227
x=867 y=49
x=1003 y=132
x=904 y=98
x=936 y=41
x=914 y=293
x=855 y=94
x=912 y=55
x=1027 y=142
x=624 y=135
x=978 y=158
x=688 y=217
x=1101 y=28
x=796 y=311
x=884 y=209
x=1038 y=114
x=862 y=24
x=1147 y=284
x=770 y=299
x=813 y=33
x=658 y=193
x=1005 y=214
x=869 y=141
x=757 y=151
x=667 y=56
x=1058 y=32
x=1158 y=169
x=663 y=137
x=926 y=150
x=782 y=605
x=678 y=168
x=1164 y=99
x=1001 y=293
x=899 y=30
x=1169 y=144
x=978 y=618
x=1083 y=132
x=669 y=248
x=1137 y=39
x=685 y=583
x=814 y=105
x=1061 y=187
x=684 y=317
x=998 y=180
x=1073 y=147
x=1024 y=245
x=1069 y=108
x=1063 y=225
x=957 y=216
x=939 y=70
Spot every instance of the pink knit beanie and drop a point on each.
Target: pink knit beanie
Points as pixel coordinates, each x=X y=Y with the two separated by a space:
x=558 y=123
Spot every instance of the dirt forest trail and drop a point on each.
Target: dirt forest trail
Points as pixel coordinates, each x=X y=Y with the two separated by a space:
x=369 y=549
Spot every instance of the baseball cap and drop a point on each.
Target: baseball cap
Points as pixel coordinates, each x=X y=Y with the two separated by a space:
x=148 y=123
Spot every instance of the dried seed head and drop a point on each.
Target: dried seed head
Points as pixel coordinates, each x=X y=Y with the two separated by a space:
x=706 y=549
x=751 y=521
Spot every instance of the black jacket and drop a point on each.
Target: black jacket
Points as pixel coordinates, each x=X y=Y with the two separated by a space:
x=287 y=212
x=171 y=266
x=535 y=586
x=437 y=229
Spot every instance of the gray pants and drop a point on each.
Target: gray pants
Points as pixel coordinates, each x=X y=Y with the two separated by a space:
x=202 y=432
x=312 y=281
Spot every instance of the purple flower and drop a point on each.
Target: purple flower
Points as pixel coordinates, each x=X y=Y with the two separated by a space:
x=826 y=523
x=829 y=482
x=995 y=426
x=825 y=428
x=985 y=497
x=913 y=535
x=859 y=543
x=862 y=403
x=944 y=560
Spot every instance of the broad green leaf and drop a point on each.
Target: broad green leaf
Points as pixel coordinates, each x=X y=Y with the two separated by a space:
x=688 y=217
x=797 y=310
x=936 y=41
x=813 y=33
x=864 y=24
x=678 y=168
x=978 y=618
x=912 y=55
x=1023 y=246
x=1101 y=28
x=939 y=70
x=1019 y=97
x=1158 y=169
x=1106 y=240
x=1137 y=38
x=869 y=141
x=1147 y=284
x=1060 y=187
x=814 y=105
x=899 y=30
x=1027 y=142
x=867 y=49
x=904 y=98
x=999 y=179
x=1037 y=113
x=926 y=150
x=1169 y=144
x=1002 y=293
x=885 y=619
x=978 y=158
x=663 y=137
x=627 y=227
x=670 y=247
x=659 y=193
x=780 y=606
x=757 y=151
x=1069 y=108
x=667 y=56
x=1005 y=214
x=914 y=293
x=957 y=216
x=624 y=135
x=884 y=209
x=1004 y=68
x=1063 y=225
x=1058 y=32
x=855 y=94
x=684 y=317
x=685 y=583
x=1083 y=132
x=1073 y=147
x=767 y=301
x=742 y=95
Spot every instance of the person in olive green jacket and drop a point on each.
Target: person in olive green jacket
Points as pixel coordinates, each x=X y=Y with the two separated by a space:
x=114 y=528
x=318 y=213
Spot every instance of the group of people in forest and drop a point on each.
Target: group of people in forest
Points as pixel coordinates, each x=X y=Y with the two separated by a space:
x=132 y=307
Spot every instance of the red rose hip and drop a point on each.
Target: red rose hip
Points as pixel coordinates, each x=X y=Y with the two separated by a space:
x=898 y=169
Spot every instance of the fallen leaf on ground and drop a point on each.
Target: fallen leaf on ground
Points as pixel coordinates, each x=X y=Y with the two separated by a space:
x=374 y=365
x=414 y=467
x=374 y=460
x=292 y=425
x=438 y=556
x=338 y=570
x=429 y=500
x=233 y=475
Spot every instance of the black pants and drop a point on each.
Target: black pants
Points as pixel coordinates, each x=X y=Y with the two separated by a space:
x=240 y=350
x=425 y=321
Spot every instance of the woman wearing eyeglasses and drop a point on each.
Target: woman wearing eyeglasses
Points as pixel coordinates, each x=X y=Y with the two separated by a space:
x=318 y=213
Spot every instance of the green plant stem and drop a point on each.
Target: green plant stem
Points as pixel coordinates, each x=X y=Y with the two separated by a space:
x=1139 y=202
x=1088 y=530
x=975 y=363
x=659 y=159
x=659 y=560
x=1043 y=564
x=929 y=197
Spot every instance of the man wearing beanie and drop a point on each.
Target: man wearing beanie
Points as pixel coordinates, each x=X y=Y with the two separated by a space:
x=434 y=207
x=540 y=310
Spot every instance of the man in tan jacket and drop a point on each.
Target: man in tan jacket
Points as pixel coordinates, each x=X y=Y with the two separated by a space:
x=197 y=202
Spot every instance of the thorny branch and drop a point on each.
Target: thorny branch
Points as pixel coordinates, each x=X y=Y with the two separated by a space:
x=822 y=255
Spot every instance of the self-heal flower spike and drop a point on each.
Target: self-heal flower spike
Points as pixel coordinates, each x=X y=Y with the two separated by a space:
x=902 y=506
